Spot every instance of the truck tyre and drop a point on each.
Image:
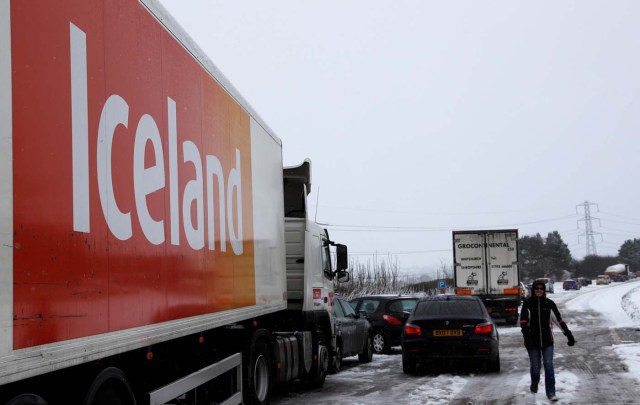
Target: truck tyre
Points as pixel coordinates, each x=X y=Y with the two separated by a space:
x=259 y=381
x=381 y=343
x=27 y=399
x=336 y=359
x=367 y=355
x=110 y=387
x=319 y=368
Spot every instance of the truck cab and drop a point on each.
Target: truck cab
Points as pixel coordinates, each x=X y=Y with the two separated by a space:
x=310 y=270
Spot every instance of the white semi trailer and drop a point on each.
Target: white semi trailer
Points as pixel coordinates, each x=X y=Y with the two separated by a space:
x=486 y=265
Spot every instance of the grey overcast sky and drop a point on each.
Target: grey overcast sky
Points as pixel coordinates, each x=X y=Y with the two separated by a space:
x=421 y=117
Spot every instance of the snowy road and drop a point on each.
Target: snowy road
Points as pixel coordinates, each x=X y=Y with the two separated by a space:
x=603 y=367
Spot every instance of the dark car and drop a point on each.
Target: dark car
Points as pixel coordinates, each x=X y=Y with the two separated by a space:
x=387 y=314
x=354 y=335
x=571 y=285
x=450 y=328
x=584 y=281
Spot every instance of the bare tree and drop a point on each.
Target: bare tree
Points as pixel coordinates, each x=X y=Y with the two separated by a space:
x=378 y=276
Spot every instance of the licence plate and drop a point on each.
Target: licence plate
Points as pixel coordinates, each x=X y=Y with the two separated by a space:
x=448 y=332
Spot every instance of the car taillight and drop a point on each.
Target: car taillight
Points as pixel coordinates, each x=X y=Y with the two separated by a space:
x=483 y=329
x=392 y=320
x=412 y=330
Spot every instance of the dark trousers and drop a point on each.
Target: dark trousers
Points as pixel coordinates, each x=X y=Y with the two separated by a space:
x=543 y=355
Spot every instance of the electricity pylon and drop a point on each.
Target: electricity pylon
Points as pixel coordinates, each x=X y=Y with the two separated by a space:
x=589 y=233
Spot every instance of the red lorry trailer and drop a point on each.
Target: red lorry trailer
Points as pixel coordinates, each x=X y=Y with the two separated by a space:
x=152 y=246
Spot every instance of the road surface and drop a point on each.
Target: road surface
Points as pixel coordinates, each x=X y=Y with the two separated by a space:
x=588 y=373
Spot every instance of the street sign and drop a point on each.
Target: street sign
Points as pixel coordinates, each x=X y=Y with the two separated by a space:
x=442 y=284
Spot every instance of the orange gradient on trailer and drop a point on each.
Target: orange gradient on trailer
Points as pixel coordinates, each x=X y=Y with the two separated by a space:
x=171 y=261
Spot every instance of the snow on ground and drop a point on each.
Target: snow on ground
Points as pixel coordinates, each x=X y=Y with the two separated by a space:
x=625 y=296
x=620 y=306
x=618 y=302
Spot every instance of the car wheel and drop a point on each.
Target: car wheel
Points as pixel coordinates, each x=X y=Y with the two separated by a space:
x=493 y=366
x=380 y=343
x=367 y=355
x=408 y=365
x=336 y=363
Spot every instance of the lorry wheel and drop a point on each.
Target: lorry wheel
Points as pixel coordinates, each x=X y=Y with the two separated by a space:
x=110 y=387
x=259 y=374
x=315 y=379
x=27 y=399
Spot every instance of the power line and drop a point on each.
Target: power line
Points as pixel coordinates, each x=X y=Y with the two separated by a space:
x=383 y=228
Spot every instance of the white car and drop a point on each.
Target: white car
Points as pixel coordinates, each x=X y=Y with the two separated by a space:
x=548 y=284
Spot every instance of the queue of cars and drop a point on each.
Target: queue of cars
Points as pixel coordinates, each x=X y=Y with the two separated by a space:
x=430 y=330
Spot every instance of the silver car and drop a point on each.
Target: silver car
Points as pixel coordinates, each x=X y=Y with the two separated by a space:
x=548 y=283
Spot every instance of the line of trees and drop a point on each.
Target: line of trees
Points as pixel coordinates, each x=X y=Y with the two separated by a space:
x=550 y=256
x=539 y=257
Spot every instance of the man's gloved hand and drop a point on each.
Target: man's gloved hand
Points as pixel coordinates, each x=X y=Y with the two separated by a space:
x=527 y=341
x=570 y=340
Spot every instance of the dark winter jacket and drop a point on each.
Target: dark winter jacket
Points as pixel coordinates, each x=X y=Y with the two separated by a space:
x=535 y=321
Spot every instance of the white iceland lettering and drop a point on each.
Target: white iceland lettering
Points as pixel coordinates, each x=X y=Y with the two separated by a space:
x=114 y=113
x=149 y=179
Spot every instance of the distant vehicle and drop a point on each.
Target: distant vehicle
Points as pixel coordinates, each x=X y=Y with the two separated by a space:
x=450 y=328
x=618 y=272
x=571 y=285
x=486 y=266
x=529 y=288
x=523 y=291
x=548 y=284
x=584 y=281
x=387 y=315
x=603 y=279
x=354 y=335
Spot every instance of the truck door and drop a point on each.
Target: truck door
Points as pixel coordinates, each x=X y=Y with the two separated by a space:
x=469 y=262
x=502 y=260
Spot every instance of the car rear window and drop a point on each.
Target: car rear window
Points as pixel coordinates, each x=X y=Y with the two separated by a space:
x=448 y=307
x=369 y=305
x=402 y=305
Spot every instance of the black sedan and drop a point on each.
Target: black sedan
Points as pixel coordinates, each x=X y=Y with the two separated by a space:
x=387 y=314
x=354 y=335
x=450 y=328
